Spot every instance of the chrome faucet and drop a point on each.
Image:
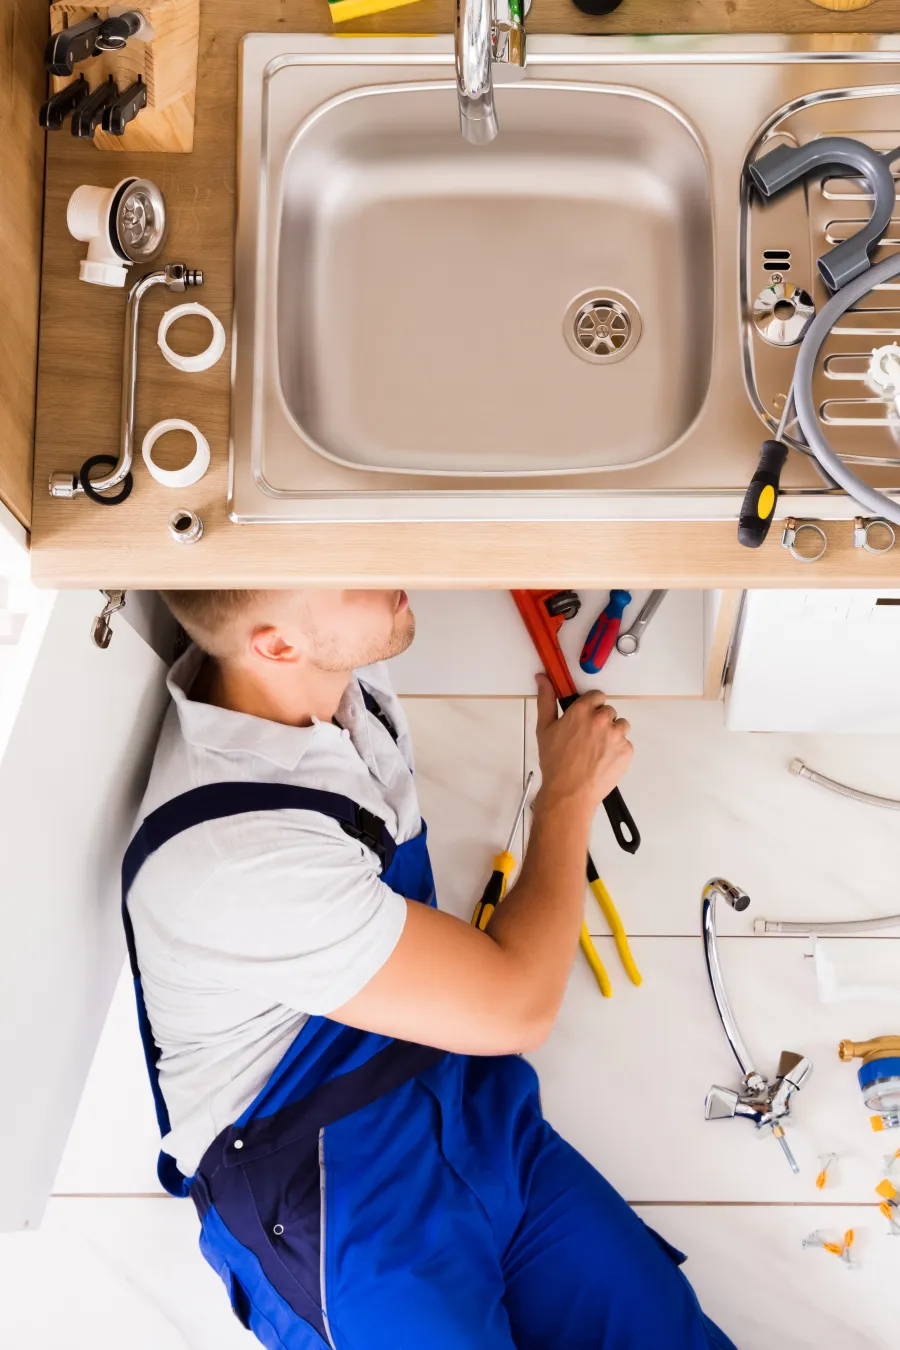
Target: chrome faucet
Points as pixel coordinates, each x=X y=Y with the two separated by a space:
x=765 y=1104
x=64 y=483
x=486 y=31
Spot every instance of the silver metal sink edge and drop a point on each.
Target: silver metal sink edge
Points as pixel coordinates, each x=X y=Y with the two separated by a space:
x=726 y=89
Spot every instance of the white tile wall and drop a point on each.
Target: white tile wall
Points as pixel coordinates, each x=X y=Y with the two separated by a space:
x=624 y=1078
x=475 y=643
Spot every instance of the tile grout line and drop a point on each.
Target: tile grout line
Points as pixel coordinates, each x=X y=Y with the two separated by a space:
x=755 y=937
x=657 y=1204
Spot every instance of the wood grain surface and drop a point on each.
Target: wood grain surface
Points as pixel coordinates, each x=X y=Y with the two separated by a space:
x=167 y=65
x=80 y=544
x=22 y=90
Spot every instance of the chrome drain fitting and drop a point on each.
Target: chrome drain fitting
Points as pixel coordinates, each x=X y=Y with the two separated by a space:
x=781 y=313
x=602 y=326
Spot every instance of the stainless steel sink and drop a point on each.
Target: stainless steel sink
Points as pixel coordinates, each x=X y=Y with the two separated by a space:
x=556 y=325
x=439 y=304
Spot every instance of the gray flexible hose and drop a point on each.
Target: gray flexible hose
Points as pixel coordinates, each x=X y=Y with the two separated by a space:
x=872 y=501
x=842 y=789
x=843 y=927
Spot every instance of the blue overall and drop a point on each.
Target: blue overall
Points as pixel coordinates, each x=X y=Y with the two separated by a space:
x=383 y=1195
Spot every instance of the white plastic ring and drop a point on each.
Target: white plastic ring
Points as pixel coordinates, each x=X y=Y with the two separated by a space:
x=191 y=473
x=203 y=360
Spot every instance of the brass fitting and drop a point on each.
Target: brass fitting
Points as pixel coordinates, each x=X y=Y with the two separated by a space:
x=881 y=1047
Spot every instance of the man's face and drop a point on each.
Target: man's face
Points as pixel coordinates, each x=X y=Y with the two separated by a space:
x=346 y=629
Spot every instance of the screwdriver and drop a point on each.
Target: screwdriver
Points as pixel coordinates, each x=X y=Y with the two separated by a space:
x=504 y=865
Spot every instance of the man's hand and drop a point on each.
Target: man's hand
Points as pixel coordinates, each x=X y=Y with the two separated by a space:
x=584 y=753
x=450 y=985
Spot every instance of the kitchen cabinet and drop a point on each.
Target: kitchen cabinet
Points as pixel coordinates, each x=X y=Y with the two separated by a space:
x=816 y=661
x=77 y=731
x=474 y=644
x=23 y=27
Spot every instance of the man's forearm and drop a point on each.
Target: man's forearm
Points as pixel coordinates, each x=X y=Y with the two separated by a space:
x=539 y=921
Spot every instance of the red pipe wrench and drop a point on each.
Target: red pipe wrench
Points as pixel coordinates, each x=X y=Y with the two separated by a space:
x=544 y=613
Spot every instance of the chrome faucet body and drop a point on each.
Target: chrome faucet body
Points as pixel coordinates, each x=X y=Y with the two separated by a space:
x=765 y=1104
x=176 y=277
x=486 y=31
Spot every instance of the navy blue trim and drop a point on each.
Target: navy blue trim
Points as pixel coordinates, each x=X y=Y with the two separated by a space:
x=213 y=802
x=323 y=1105
x=255 y=1194
x=375 y=708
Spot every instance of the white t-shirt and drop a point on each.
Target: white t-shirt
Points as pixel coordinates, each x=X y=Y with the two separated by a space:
x=245 y=926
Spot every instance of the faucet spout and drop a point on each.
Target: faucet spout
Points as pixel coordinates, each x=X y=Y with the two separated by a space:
x=763 y=1103
x=486 y=31
x=739 y=900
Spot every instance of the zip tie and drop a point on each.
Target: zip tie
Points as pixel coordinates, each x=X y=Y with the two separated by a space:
x=827 y=1160
x=840 y=1249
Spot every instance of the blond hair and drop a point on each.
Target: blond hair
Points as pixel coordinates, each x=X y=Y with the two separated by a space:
x=218 y=621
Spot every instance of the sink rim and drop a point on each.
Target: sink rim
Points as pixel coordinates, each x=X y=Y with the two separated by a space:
x=815 y=61
x=275 y=192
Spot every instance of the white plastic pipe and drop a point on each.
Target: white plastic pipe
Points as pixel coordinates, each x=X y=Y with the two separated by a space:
x=89 y=218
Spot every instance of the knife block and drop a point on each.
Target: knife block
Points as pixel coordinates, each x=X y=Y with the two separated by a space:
x=167 y=64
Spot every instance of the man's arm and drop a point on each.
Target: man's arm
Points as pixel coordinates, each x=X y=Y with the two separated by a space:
x=499 y=991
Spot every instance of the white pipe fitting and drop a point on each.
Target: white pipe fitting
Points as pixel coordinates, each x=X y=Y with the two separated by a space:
x=120 y=225
x=89 y=217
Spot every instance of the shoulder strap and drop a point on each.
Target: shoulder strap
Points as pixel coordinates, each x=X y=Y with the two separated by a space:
x=375 y=708
x=212 y=802
x=215 y=800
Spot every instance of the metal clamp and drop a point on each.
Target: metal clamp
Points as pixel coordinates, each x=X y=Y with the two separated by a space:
x=861 y=528
x=101 y=631
x=793 y=529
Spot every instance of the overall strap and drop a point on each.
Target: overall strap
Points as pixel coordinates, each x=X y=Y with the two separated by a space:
x=213 y=802
x=375 y=708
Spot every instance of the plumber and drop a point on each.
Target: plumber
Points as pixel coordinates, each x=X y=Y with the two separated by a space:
x=336 y=1063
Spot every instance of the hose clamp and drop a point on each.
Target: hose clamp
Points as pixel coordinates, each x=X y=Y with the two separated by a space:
x=792 y=531
x=861 y=528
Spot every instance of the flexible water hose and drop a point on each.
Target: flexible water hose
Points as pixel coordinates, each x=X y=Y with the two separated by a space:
x=842 y=789
x=873 y=501
x=842 y=927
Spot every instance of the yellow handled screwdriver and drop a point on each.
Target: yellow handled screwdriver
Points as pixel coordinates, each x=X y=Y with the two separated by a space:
x=504 y=866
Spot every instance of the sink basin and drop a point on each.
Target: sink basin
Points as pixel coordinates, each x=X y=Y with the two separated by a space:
x=542 y=305
x=555 y=326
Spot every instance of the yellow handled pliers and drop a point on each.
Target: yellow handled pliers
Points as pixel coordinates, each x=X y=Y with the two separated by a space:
x=610 y=913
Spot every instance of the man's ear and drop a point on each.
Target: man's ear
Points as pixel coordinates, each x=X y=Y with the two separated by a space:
x=271 y=645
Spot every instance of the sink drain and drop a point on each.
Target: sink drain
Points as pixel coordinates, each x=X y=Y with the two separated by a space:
x=602 y=326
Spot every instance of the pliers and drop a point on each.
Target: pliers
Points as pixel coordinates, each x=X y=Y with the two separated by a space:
x=620 y=937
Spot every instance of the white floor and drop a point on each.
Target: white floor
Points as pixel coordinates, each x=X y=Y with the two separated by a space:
x=115 y=1262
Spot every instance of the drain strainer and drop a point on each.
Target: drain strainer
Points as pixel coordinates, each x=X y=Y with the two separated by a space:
x=602 y=326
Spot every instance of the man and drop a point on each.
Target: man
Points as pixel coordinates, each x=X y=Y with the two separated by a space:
x=336 y=1062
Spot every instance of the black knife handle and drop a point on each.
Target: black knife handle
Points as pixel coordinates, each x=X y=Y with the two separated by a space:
x=125 y=108
x=71 y=45
x=88 y=117
x=54 y=112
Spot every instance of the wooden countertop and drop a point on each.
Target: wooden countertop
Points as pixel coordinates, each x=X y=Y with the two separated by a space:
x=79 y=544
